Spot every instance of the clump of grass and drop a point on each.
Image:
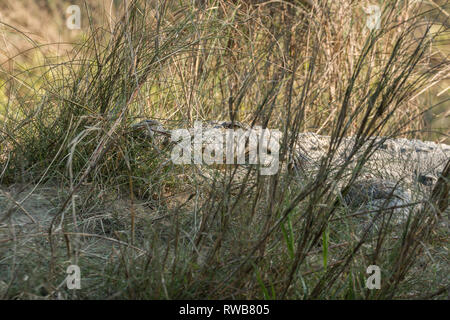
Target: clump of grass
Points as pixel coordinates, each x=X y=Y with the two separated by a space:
x=238 y=234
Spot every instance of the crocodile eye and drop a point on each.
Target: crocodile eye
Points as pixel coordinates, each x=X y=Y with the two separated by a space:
x=426 y=179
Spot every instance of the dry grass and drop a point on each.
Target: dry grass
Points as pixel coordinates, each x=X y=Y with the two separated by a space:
x=140 y=227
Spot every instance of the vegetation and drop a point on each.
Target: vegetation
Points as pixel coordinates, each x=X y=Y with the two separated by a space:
x=140 y=227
